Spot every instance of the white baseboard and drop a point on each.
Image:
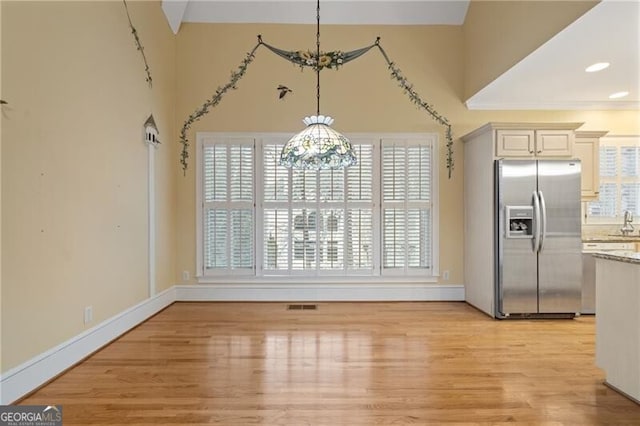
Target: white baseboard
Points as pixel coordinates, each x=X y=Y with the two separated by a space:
x=319 y=292
x=19 y=381
x=25 y=378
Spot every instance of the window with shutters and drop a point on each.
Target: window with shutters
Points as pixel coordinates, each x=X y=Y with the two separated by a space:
x=372 y=219
x=619 y=180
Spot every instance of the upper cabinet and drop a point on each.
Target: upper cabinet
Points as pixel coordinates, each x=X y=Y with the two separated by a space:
x=528 y=143
x=586 y=148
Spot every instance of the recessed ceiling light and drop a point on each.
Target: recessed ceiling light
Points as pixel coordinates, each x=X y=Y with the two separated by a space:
x=618 y=95
x=599 y=66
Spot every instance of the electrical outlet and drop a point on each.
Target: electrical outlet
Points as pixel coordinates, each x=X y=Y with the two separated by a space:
x=185 y=275
x=445 y=275
x=88 y=314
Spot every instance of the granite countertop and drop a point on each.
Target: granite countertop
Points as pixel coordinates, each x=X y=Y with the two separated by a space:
x=620 y=256
x=612 y=239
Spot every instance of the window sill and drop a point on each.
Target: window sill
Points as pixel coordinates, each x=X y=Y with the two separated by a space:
x=311 y=282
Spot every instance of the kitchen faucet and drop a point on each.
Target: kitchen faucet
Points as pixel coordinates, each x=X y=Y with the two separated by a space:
x=627 y=227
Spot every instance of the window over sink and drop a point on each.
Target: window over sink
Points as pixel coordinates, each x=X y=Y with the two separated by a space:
x=258 y=219
x=619 y=181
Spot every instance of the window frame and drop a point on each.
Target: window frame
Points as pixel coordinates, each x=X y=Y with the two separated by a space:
x=377 y=275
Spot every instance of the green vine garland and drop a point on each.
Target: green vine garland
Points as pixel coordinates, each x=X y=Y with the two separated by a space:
x=417 y=100
x=138 y=45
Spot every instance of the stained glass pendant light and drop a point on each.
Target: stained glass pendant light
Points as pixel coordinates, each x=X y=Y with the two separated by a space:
x=318 y=146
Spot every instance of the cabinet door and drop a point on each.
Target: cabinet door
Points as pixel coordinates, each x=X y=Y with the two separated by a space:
x=515 y=143
x=554 y=143
x=587 y=150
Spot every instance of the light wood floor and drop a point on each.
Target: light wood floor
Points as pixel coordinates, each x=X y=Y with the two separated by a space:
x=344 y=364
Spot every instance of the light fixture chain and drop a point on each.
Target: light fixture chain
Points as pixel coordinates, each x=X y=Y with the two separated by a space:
x=318 y=58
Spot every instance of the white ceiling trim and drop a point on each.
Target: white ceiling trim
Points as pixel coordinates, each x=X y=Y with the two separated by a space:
x=553 y=106
x=343 y=12
x=174 y=11
x=553 y=76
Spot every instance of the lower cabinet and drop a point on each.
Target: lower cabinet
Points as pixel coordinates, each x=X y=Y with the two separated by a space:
x=586 y=148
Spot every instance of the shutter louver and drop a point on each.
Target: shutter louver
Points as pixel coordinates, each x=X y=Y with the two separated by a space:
x=418 y=236
x=630 y=198
x=359 y=240
x=406 y=202
x=394 y=236
x=418 y=175
x=304 y=237
x=372 y=218
x=304 y=185
x=215 y=241
x=215 y=173
x=619 y=181
x=393 y=173
x=241 y=173
x=360 y=175
x=608 y=161
x=241 y=240
x=332 y=236
x=630 y=161
x=332 y=185
x=606 y=204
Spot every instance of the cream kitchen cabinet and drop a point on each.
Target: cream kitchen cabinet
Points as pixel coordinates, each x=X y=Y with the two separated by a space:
x=586 y=148
x=527 y=143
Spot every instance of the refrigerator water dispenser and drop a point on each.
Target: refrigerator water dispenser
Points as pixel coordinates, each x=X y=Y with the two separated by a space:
x=519 y=222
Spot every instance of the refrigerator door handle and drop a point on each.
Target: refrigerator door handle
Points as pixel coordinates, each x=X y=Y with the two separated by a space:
x=543 y=209
x=536 y=222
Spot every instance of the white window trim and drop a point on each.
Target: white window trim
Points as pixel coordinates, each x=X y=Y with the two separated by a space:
x=617 y=140
x=267 y=279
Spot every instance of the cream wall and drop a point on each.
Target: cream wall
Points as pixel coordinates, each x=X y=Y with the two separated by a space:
x=498 y=34
x=361 y=97
x=74 y=166
x=0 y=193
x=74 y=213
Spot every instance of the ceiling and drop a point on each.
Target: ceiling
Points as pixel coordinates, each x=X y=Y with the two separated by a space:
x=550 y=78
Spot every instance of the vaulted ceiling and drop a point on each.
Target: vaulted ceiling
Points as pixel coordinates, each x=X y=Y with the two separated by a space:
x=552 y=77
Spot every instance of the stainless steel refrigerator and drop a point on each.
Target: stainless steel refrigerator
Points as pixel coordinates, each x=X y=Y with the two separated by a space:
x=538 y=239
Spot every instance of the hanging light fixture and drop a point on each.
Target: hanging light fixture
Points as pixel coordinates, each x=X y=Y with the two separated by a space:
x=318 y=146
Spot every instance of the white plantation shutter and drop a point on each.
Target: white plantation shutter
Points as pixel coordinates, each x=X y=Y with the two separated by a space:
x=332 y=185
x=619 y=180
x=406 y=205
x=359 y=205
x=332 y=239
x=216 y=237
x=228 y=170
x=304 y=185
x=630 y=161
x=608 y=161
x=276 y=239
x=606 y=204
x=630 y=197
x=359 y=239
x=630 y=179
